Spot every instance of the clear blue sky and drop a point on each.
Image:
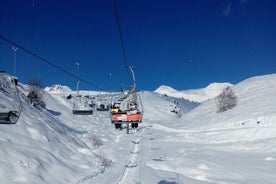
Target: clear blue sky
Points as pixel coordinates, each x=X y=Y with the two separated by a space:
x=185 y=44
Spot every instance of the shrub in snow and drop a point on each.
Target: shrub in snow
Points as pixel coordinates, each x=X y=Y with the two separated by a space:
x=104 y=162
x=226 y=100
x=95 y=141
x=35 y=93
x=177 y=112
x=173 y=107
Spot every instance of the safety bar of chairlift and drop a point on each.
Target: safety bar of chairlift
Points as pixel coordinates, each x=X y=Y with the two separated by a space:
x=125 y=122
x=126 y=119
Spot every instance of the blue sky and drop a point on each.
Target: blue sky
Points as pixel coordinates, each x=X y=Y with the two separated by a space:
x=185 y=44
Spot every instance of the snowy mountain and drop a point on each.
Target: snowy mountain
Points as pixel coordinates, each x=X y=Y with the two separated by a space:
x=58 y=89
x=194 y=95
x=51 y=145
x=164 y=89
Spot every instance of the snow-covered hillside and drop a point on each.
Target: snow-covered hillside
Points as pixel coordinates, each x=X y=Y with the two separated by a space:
x=51 y=145
x=194 y=95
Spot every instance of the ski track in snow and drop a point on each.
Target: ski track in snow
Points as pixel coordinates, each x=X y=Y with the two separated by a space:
x=132 y=172
x=85 y=180
x=131 y=169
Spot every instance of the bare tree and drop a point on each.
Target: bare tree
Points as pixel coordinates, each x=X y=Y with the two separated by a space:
x=226 y=100
x=34 y=92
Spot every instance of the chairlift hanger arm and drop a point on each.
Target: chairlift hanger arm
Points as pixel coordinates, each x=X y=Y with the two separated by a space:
x=78 y=83
x=133 y=77
x=133 y=89
x=120 y=32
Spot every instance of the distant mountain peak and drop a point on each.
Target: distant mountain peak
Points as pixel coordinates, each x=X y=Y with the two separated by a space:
x=163 y=89
x=57 y=88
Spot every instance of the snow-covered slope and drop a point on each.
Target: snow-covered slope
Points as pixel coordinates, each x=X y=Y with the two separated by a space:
x=41 y=148
x=51 y=145
x=164 y=106
x=236 y=146
x=194 y=95
x=255 y=104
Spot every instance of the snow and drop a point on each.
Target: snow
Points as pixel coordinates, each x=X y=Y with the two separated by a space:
x=196 y=145
x=58 y=89
x=164 y=89
x=194 y=95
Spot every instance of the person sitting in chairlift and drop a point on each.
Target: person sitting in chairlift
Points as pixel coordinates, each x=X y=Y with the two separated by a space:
x=115 y=108
x=102 y=106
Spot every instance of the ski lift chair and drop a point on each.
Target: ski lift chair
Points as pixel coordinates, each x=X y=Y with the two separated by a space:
x=103 y=104
x=9 y=114
x=124 y=113
x=81 y=106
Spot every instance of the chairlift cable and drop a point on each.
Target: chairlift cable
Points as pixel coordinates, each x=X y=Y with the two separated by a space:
x=123 y=46
x=120 y=32
x=49 y=63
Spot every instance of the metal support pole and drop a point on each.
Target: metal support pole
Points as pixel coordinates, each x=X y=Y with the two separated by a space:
x=14 y=59
x=127 y=129
x=78 y=74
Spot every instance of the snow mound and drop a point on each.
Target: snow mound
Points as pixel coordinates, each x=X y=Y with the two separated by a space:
x=194 y=95
x=158 y=107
